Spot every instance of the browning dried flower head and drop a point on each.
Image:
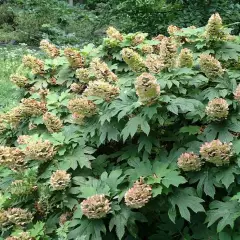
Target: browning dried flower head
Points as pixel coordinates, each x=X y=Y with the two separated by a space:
x=19 y=216
x=60 y=180
x=23 y=139
x=82 y=106
x=19 y=80
x=43 y=92
x=139 y=195
x=114 y=33
x=101 y=89
x=172 y=30
x=78 y=118
x=21 y=236
x=12 y=157
x=147 y=88
x=189 y=162
x=214 y=28
x=237 y=93
x=138 y=38
x=84 y=75
x=49 y=48
x=210 y=66
x=95 y=207
x=185 y=58
x=77 y=88
x=101 y=70
x=158 y=46
x=64 y=218
x=15 y=116
x=31 y=107
x=147 y=49
x=133 y=60
x=40 y=150
x=34 y=63
x=217 y=109
x=216 y=152
x=154 y=63
x=74 y=57
x=3 y=218
x=168 y=52
x=52 y=122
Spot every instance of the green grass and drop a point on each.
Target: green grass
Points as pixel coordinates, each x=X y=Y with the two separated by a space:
x=10 y=59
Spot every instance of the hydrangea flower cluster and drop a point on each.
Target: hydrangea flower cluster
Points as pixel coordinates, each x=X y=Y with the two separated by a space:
x=210 y=66
x=237 y=93
x=216 y=152
x=172 y=29
x=96 y=207
x=18 y=216
x=77 y=88
x=133 y=60
x=65 y=217
x=31 y=107
x=185 y=58
x=19 y=80
x=147 y=88
x=60 y=180
x=101 y=70
x=34 y=63
x=101 y=89
x=21 y=236
x=147 y=49
x=40 y=150
x=138 y=38
x=157 y=47
x=74 y=57
x=168 y=52
x=12 y=157
x=214 y=28
x=21 y=187
x=52 y=122
x=51 y=50
x=114 y=34
x=139 y=195
x=217 y=109
x=189 y=162
x=154 y=63
x=84 y=75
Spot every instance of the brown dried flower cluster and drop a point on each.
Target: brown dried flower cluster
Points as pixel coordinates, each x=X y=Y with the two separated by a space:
x=77 y=87
x=19 y=216
x=84 y=75
x=52 y=122
x=19 y=80
x=154 y=63
x=60 y=180
x=189 y=162
x=49 y=48
x=114 y=33
x=34 y=63
x=74 y=57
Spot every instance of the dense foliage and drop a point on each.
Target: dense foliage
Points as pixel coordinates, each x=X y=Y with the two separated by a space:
x=133 y=139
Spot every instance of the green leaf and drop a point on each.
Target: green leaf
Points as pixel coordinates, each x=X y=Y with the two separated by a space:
x=191 y=130
x=185 y=199
x=226 y=176
x=224 y=212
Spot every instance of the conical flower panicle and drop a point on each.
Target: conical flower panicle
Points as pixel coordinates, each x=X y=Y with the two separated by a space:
x=60 y=180
x=101 y=89
x=50 y=49
x=185 y=58
x=101 y=70
x=23 y=139
x=96 y=207
x=138 y=38
x=147 y=49
x=40 y=150
x=154 y=63
x=77 y=88
x=19 y=80
x=210 y=66
x=15 y=116
x=52 y=122
x=21 y=236
x=34 y=63
x=216 y=152
x=84 y=75
x=19 y=216
x=74 y=57
x=31 y=107
x=3 y=219
x=12 y=157
x=114 y=33
x=217 y=109
x=82 y=106
x=157 y=47
x=189 y=162
x=147 y=88
x=133 y=60
x=21 y=187
x=237 y=93
x=139 y=195
x=168 y=52
x=214 y=28
x=172 y=30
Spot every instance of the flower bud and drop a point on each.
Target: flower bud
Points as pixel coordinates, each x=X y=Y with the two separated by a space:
x=216 y=152
x=52 y=122
x=217 y=109
x=95 y=207
x=139 y=195
x=147 y=88
x=60 y=180
x=189 y=162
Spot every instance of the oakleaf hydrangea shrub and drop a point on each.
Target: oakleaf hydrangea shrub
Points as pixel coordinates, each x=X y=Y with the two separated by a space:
x=137 y=138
